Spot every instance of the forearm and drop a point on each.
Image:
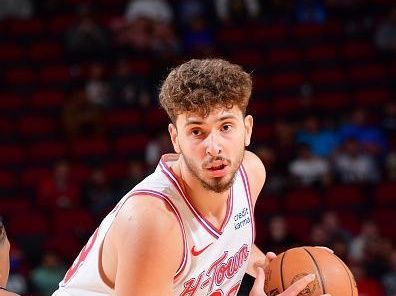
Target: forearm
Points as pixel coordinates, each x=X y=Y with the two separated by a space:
x=257 y=258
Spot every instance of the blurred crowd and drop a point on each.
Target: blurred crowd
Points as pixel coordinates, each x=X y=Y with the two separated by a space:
x=117 y=53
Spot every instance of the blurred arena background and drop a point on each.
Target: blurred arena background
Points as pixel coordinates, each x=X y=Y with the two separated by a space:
x=80 y=123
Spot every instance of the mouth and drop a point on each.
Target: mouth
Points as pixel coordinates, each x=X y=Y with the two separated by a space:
x=216 y=168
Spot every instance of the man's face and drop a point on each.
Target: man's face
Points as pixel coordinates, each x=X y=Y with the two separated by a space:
x=212 y=147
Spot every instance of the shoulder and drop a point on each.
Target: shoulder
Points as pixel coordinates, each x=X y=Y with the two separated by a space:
x=145 y=234
x=148 y=214
x=256 y=173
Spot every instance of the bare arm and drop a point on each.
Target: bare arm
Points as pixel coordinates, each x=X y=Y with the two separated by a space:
x=149 y=246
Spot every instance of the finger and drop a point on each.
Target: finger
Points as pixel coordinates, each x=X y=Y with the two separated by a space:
x=258 y=285
x=298 y=286
x=326 y=249
x=270 y=256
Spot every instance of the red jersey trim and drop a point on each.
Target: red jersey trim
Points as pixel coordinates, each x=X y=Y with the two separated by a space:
x=178 y=216
x=249 y=198
x=206 y=224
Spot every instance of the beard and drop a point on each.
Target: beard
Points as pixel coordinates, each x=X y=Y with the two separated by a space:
x=217 y=184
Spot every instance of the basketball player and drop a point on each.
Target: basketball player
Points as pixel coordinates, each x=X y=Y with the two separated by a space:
x=187 y=229
x=4 y=261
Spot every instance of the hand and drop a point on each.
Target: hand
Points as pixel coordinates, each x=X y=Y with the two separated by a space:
x=293 y=290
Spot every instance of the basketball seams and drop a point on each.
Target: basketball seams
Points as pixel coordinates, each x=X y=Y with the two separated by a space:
x=349 y=275
x=318 y=270
x=281 y=271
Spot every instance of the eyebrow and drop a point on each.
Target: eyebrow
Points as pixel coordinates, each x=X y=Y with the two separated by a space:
x=198 y=122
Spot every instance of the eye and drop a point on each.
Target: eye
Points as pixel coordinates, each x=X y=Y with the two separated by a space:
x=226 y=127
x=196 y=132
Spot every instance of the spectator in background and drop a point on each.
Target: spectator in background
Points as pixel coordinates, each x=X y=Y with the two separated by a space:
x=353 y=166
x=17 y=280
x=86 y=39
x=308 y=169
x=81 y=117
x=369 y=231
x=319 y=236
x=284 y=142
x=134 y=174
x=310 y=11
x=321 y=142
x=99 y=197
x=385 y=35
x=389 y=119
x=335 y=231
x=59 y=191
x=21 y=9
x=127 y=87
x=275 y=182
x=279 y=239
x=157 y=10
x=46 y=277
x=237 y=10
x=389 y=278
x=197 y=33
x=159 y=145
x=96 y=87
x=368 y=135
x=365 y=284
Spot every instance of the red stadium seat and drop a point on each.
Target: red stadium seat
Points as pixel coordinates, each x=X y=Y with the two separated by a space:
x=358 y=50
x=321 y=53
x=45 y=51
x=54 y=74
x=20 y=76
x=267 y=205
x=263 y=132
x=7 y=128
x=28 y=223
x=155 y=119
x=350 y=222
x=385 y=219
x=66 y=245
x=300 y=227
x=14 y=206
x=260 y=108
x=28 y=27
x=367 y=73
x=269 y=34
x=79 y=222
x=344 y=197
x=11 y=154
x=132 y=145
x=48 y=99
x=32 y=175
x=332 y=101
x=302 y=200
x=59 y=24
x=232 y=36
x=11 y=53
x=307 y=31
x=374 y=97
x=286 y=106
x=385 y=195
x=250 y=59
x=11 y=103
x=328 y=76
x=282 y=56
x=47 y=151
x=83 y=148
x=37 y=126
x=287 y=80
x=80 y=172
x=128 y=119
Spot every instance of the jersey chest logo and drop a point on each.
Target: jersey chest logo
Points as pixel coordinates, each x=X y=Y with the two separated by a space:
x=217 y=274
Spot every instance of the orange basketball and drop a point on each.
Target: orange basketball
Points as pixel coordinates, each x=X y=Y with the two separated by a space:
x=332 y=275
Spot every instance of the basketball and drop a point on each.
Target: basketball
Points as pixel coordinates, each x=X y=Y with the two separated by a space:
x=331 y=274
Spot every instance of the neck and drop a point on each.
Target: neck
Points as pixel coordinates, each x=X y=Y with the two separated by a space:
x=207 y=202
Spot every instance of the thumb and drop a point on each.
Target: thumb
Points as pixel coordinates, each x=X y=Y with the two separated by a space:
x=258 y=286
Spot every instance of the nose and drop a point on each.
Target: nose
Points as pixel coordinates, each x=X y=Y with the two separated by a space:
x=213 y=147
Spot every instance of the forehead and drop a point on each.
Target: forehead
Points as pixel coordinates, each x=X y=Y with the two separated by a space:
x=217 y=114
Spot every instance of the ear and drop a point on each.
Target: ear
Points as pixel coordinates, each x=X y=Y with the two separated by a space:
x=173 y=134
x=248 y=129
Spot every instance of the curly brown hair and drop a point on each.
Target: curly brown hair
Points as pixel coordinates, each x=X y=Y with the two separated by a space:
x=198 y=86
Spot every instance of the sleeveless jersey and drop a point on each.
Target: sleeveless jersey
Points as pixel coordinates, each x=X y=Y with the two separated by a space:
x=214 y=259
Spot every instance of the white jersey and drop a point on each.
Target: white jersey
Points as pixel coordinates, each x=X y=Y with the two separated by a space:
x=214 y=260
